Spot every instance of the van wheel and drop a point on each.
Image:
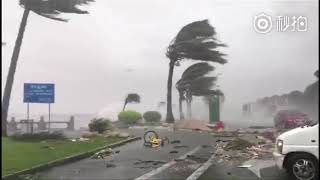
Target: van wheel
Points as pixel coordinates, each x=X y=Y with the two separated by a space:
x=303 y=167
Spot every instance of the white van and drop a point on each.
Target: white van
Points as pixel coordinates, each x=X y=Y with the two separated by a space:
x=297 y=151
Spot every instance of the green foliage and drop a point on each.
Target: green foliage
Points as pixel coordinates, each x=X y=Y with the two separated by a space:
x=129 y=117
x=152 y=116
x=20 y=155
x=196 y=41
x=38 y=136
x=100 y=125
x=194 y=81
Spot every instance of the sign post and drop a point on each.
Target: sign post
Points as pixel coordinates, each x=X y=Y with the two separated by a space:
x=49 y=119
x=28 y=124
x=38 y=93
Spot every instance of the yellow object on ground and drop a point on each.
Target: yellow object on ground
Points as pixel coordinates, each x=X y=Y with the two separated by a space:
x=155 y=142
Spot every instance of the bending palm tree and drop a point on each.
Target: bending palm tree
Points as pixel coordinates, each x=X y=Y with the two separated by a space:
x=199 y=87
x=130 y=99
x=49 y=9
x=193 y=72
x=194 y=41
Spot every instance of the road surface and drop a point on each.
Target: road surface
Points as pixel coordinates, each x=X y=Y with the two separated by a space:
x=173 y=161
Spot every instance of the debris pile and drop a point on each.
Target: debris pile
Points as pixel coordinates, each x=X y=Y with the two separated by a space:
x=271 y=135
x=242 y=148
x=196 y=125
x=237 y=144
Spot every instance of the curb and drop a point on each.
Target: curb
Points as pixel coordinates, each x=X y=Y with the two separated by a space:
x=67 y=159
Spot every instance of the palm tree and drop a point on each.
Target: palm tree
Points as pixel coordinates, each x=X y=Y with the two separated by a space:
x=195 y=41
x=199 y=87
x=193 y=72
x=131 y=98
x=46 y=8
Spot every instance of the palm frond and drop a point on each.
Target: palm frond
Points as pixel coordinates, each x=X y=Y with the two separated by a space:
x=202 y=83
x=197 y=70
x=133 y=97
x=209 y=56
x=195 y=30
x=196 y=41
x=53 y=8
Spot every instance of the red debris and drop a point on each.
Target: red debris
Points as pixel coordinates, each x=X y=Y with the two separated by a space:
x=220 y=125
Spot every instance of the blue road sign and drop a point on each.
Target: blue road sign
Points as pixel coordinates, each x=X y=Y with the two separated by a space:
x=38 y=93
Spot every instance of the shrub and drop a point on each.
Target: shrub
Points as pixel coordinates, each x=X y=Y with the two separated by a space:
x=152 y=116
x=100 y=125
x=39 y=136
x=129 y=117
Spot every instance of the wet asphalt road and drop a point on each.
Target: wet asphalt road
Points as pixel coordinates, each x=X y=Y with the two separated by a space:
x=135 y=160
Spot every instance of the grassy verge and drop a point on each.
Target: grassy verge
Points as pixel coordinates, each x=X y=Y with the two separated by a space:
x=19 y=155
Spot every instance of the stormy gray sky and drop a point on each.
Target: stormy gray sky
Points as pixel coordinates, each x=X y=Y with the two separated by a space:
x=96 y=59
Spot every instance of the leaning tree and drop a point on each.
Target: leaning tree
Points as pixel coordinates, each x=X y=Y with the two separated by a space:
x=195 y=41
x=131 y=98
x=46 y=8
x=192 y=73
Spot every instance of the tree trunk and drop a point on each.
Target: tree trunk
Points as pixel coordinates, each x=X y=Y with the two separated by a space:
x=124 y=106
x=180 y=106
x=12 y=69
x=189 y=109
x=189 y=100
x=170 y=118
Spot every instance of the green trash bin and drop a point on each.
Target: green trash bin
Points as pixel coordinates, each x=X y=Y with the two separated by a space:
x=214 y=109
